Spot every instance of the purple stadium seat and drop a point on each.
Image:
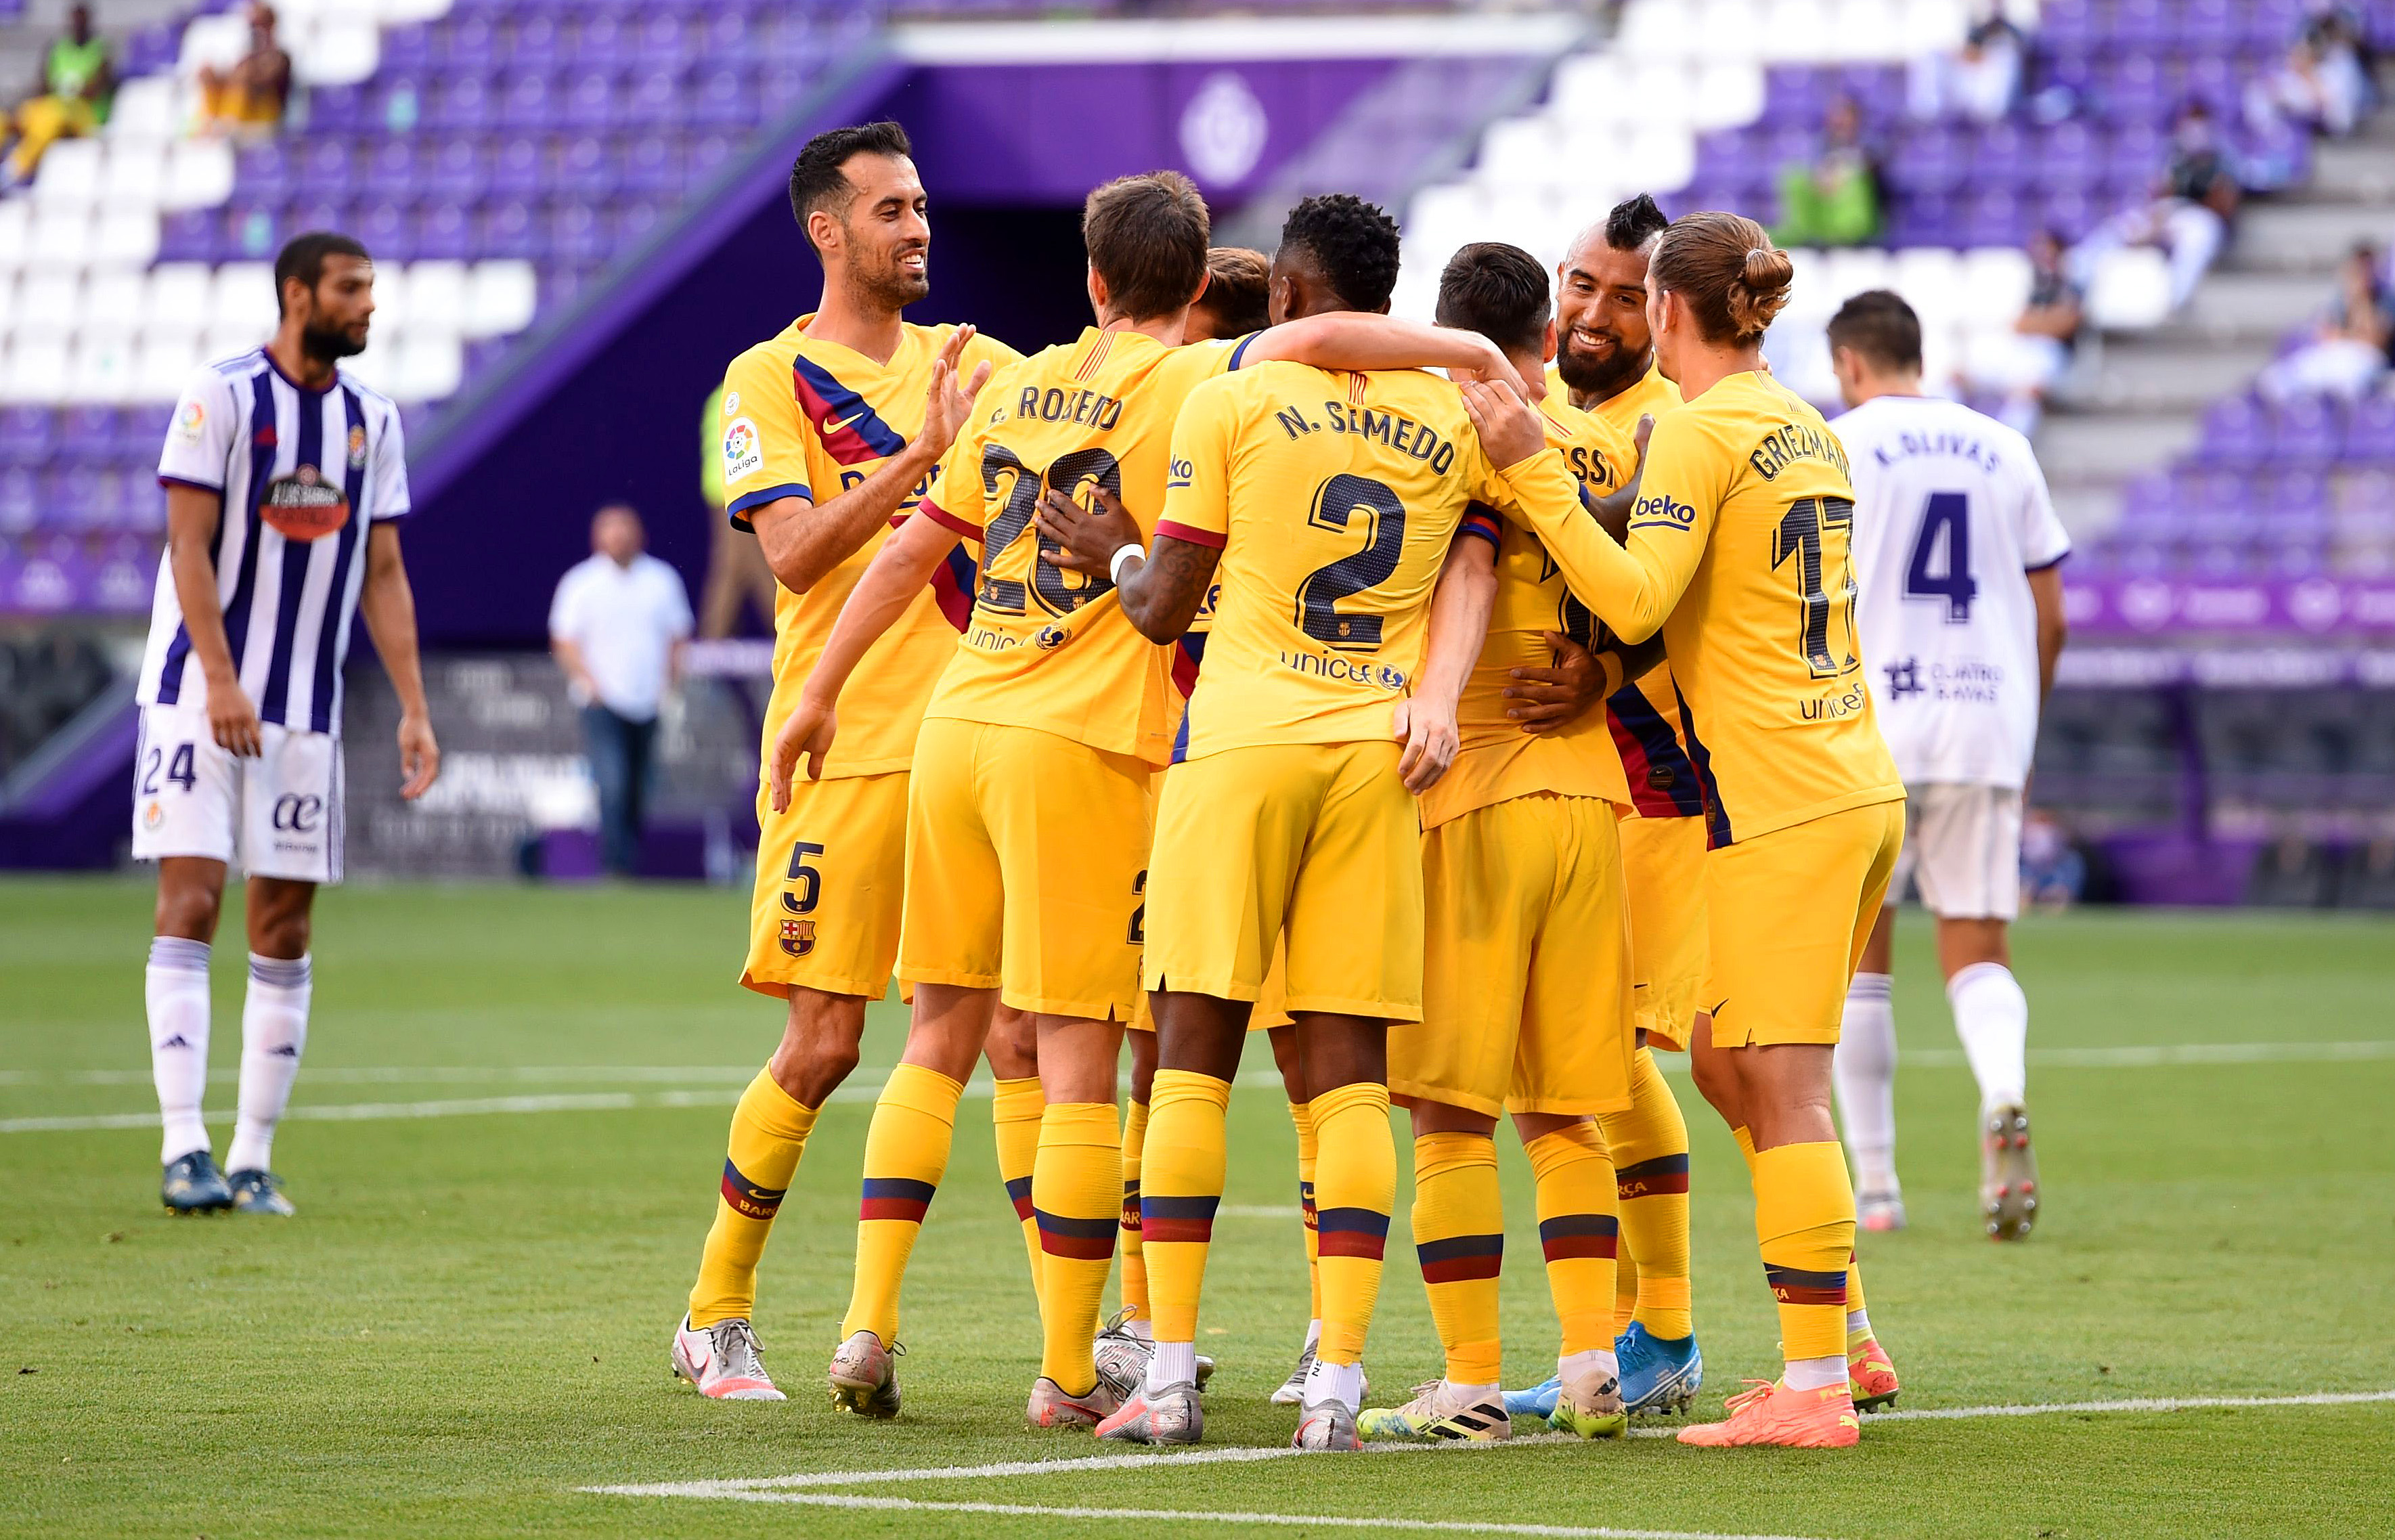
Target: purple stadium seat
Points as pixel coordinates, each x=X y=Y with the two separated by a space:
x=520 y=167
x=311 y=213
x=665 y=38
x=392 y=166
x=326 y=164
x=512 y=228
x=2142 y=24
x=536 y=42
x=727 y=37
x=654 y=96
x=191 y=235
x=527 y=101
x=466 y=42
x=446 y=229
x=590 y=99
x=726 y=98
x=2370 y=432
x=265 y=172
x=577 y=234
x=2066 y=25
x=339 y=109
x=707 y=155
x=408 y=48
x=28 y=435
x=1993 y=217
x=387 y=227
x=87 y=436
x=652 y=165
x=603 y=41
x=456 y=168
x=151 y=48
x=636 y=221
x=65 y=497
x=463 y=102
x=21 y=503
x=2067 y=156
x=1932 y=159
x=2306 y=433
x=2209 y=27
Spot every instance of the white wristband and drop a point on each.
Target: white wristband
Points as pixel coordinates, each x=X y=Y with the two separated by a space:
x=1115 y=563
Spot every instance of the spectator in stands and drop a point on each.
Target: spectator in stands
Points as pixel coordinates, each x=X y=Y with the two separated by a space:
x=2025 y=363
x=1834 y=201
x=617 y=627
x=71 y=98
x=735 y=563
x=249 y=98
x=2188 y=217
x=1237 y=298
x=2053 y=874
x=2349 y=353
x=2313 y=88
x=1979 y=81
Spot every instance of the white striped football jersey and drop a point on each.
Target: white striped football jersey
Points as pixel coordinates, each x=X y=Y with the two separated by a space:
x=1950 y=514
x=303 y=474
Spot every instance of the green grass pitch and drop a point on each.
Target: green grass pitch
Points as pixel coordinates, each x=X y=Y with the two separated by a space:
x=467 y=1324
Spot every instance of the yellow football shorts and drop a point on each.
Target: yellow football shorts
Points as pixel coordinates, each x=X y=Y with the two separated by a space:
x=1526 y=963
x=1270 y=1010
x=1664 y=865
x=1788 y=912
x=831 y=872
x=1024 y=858
x=1319 y=842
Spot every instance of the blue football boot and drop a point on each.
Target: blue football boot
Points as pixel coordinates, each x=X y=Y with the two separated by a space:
x=1539 y=1401
x=1658 y=1374
x=258 y=1192
x=192 y=1184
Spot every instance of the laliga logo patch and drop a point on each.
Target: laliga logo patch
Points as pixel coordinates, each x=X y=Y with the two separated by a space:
x=1051 y=637
x=797 y=937
x=190 y=421
x=357 y=446
x=1662 y=509
x=743 y=455
x=304 y=506
x=153 y=816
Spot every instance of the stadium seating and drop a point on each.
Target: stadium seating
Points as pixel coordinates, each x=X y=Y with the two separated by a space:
x=494 y=155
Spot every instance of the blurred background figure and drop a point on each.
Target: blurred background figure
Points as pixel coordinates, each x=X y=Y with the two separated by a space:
x=2189 y=217
x=71 y=98
x=735 y=563
x=247 y=99
x=1979 y=81
x=1238 y=297
x=617 y=627
x=2348 y=354
x=2023 y=365
x=1836 y=199
x=2053 y=873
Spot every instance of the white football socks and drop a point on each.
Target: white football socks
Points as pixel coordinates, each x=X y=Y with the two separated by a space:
x=273 y=1031
x=1344 y=1381
x=1865 y=1070
x=1172 y=1364
x=1992 y=1018
x=176 y=989
x=1816 y=1373
x=1598 y=1363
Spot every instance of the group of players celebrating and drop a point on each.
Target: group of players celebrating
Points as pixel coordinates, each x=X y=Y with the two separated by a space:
x=1473 y=733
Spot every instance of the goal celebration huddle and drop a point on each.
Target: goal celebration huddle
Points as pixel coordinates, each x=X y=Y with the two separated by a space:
x=1476 y=708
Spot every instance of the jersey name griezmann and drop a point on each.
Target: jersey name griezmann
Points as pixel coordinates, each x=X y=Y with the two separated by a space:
x=1792 y=442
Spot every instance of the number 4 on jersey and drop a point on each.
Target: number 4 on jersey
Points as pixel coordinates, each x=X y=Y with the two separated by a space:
x=1947 y=517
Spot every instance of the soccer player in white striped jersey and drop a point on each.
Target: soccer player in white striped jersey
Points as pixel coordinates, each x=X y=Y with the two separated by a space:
x=286 y=481
x=1957 y=554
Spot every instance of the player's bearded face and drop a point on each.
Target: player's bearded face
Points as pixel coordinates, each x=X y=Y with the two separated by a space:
x=887 y=231
x=339 y=311
x=1602 y=343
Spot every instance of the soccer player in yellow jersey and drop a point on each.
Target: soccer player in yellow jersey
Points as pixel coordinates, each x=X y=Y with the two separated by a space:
x=825 y=431
x=1738 y=554
x=1305 y=736
x=1526 y=981
x=1027 y=822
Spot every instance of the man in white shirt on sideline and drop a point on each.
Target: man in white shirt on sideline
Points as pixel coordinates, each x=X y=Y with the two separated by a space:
x=1957 y=554
x=617 y=627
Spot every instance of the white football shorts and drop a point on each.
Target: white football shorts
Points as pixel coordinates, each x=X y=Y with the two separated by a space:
x=1962 y=847
x=276 y=816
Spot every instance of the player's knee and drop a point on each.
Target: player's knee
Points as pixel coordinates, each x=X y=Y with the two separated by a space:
x=1717 y=1082
x=1436 y=1117
x=280 y=933
x=819 y=1046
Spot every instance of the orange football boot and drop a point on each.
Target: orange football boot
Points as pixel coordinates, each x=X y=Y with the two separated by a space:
x=1768 y=1412
x=1871 y=1378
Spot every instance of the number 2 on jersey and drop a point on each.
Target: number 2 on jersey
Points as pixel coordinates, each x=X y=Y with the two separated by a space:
x=1338 y=503
x=1800 y=537
x=1005 y=595
x=1947 y=514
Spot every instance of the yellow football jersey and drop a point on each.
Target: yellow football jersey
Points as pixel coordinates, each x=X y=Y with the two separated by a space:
x=1334 y=498
x=1045 y=648
x=1739 y=554
x=1498 y=760
x=1652 y=396
x=802 y=417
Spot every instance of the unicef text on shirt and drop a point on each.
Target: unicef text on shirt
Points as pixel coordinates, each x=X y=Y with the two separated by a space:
x=1367 y=676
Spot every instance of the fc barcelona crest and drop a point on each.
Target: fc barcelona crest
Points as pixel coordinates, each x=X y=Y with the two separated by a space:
x=797 y=937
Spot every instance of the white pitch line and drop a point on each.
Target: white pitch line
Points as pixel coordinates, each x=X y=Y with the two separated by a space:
x=1283 y=1520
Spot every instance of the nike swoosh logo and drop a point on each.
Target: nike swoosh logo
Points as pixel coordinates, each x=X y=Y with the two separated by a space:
x=831 y=427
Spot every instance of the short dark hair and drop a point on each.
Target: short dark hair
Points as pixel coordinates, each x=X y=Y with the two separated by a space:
x=1355 y=243
x=818 y=175
x=302 y=256
x=1239 y=290
x=1633 y=222
x=1881 y=327
x=1146 y=236
x=1499 y=291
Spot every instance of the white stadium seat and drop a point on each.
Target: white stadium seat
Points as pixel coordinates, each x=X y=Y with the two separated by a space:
x=148 y=108
x=391 y=299
x=1800 y=32
x=241 y=299
x=199 y=175
x=1935 y=26
x=221 y=40
x=1659 y=29
x=1867 y=29
x=16 y=220
x=162 y=366
x=428 y=368
x=339 y=50
x=69 y=173
x=113 y=302
x=136 y=177
x=1663 y=159
x=48 y=305
x=99 y=370
x=1996 y=280
x=177 y=301
x=2130 y=290
x=437 y=298
x=58 y=239
x=124 y=238
x=230 y=341
x=33 y=370
x=1732 y=29
x=1727 y=95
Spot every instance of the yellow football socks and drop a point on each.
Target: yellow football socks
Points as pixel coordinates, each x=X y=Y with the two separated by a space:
x=1181 y=1184
x=1355 y=1187
x=1650 y=1157
x=906 y=1154
x=1301 y=1117
x=1015 y=1106
x=1460 y=1238
x=1076 y=1194
x=1579 y=1231
x=1134 y=1257
x=1805 y=1221
x=769 y=1133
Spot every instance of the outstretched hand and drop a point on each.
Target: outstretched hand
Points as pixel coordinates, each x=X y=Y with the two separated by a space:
x=808 y=730
x=1087 y=536
x=1510 y=428
x=948 y=405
